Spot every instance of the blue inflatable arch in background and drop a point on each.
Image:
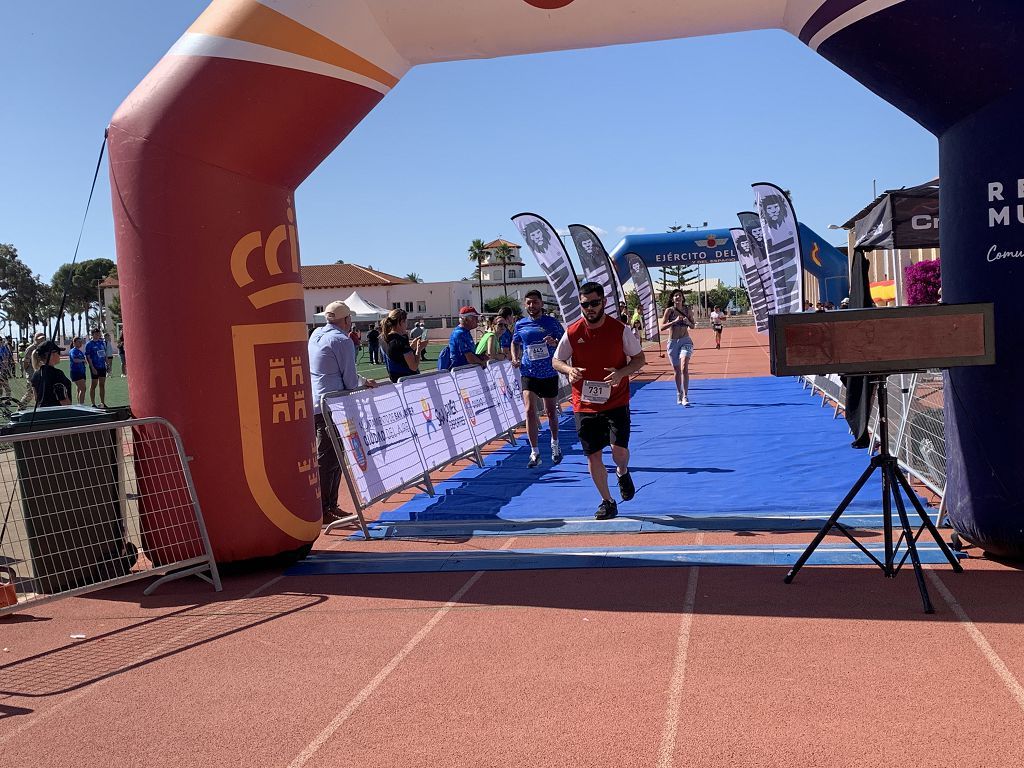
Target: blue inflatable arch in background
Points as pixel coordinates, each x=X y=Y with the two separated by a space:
x=715 y=246
x=206 y=153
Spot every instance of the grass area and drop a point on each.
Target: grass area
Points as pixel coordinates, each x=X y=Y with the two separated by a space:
x=117 y=388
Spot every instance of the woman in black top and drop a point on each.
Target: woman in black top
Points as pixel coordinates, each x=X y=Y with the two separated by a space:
x=49 y=383
x=400 y=357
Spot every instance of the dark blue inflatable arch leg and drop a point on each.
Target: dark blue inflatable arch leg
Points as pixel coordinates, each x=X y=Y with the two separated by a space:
x=955 y=66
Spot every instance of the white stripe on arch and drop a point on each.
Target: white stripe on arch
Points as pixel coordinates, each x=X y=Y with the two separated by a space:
x=852 y=16
x=197 y=44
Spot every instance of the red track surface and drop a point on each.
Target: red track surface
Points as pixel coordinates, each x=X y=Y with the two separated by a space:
x=708 y=666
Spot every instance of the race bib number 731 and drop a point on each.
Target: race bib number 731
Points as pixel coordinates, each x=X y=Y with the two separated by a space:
x=596 y=392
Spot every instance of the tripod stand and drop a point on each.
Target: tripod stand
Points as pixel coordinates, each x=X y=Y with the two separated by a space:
x=893 y=482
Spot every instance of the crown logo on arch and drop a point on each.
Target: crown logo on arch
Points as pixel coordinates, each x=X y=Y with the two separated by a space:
x=252 y=252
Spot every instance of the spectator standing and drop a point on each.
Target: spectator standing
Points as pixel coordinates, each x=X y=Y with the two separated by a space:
x=357 y=339
x=77 y=358
x=120 y=352
x=415 y=334
x=400 y=357
x=373 y=344
x=96 y=356
x=332 y=368
x=109 y=343
x=50 y=385
x=28 y=363
x=6 y=358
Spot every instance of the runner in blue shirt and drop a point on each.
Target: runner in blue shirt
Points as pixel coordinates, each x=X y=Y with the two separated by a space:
x=508 y=317
x=96 y=355
x=77 y=358
x=533 y=341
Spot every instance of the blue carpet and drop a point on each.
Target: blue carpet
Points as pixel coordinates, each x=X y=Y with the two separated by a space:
x=335 y=563
x=761 y=450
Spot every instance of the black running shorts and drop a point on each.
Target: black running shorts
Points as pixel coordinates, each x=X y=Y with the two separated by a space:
x=546 y=388
x=598 y=430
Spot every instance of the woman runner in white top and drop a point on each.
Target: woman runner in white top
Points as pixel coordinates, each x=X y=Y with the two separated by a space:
x=679 y=319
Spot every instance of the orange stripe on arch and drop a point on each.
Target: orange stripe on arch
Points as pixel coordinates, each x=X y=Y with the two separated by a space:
x=251 y=22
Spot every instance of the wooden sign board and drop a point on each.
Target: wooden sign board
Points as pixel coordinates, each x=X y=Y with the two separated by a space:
x=882 y=340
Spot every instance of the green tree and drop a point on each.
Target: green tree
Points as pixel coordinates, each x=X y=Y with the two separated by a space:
x=114 y=308
x=499 y=302
x=504 y=255
x=477 y=254
x=414 y=277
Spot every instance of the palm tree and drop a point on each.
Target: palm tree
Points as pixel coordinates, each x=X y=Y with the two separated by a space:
x=504 y=255
x=477 y=254
x=414 y=277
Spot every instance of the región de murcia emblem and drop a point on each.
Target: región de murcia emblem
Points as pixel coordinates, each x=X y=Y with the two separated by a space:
x=272 y=380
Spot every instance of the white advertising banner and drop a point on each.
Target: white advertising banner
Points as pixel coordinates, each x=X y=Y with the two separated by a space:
x=477 y=394
x=508 y=390
x=376 y=437
x=438 y=418
x=752 y=279
x=552 y=257
x=782 y=242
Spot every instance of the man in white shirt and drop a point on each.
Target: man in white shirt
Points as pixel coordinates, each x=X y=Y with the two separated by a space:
x=332 y=368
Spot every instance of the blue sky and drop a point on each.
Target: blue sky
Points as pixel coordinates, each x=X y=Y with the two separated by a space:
x=627 y=138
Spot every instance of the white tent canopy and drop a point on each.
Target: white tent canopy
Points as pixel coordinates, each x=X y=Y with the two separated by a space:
x=363 y=310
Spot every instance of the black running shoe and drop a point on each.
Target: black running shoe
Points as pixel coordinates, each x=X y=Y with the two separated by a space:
x=534 y=461
x=607 y=510
x=626 y=488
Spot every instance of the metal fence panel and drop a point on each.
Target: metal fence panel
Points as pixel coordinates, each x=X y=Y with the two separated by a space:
x=438 y=418
x=93 y=506
x=477 y=393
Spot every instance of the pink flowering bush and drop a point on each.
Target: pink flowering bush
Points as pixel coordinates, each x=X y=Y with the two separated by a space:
x=922 y=282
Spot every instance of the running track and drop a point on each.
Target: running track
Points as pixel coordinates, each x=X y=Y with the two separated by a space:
x=694 y=666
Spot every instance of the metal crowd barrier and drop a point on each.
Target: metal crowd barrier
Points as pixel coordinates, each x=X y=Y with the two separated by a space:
x=392 y=437
x=917 y=434
x=91 y=507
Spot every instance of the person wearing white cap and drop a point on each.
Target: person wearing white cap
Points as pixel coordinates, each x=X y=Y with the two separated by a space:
x=332 y=368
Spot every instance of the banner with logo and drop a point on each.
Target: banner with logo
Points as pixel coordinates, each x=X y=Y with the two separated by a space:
x=752 y=279
x=477 y=394
x=376 y=437
x=782 y=243
x=596 y=265
x=751 y=224
x=645 y=290
x=547 y=248
x=438 y=417
x=509 y=392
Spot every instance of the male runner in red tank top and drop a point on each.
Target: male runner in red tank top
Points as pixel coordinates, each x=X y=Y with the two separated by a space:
x=598 y=354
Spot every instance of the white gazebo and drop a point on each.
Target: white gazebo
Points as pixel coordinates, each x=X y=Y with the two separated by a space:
x=364 y=311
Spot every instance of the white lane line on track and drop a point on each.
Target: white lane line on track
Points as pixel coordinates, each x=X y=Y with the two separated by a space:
x=64 y=703
x=350 y=709
x=675 y=690
x=1002 y=671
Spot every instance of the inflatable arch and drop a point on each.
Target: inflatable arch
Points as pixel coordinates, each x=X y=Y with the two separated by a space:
x=206 y=152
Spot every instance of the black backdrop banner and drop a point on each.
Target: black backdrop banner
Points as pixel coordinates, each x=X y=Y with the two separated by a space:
x=645 y=291
x=596 y=266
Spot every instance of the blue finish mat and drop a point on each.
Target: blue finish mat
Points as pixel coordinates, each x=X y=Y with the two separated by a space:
x=758 y=448
x=335 y=563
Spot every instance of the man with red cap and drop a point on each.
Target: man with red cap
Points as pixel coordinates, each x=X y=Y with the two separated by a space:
x=461 y=344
